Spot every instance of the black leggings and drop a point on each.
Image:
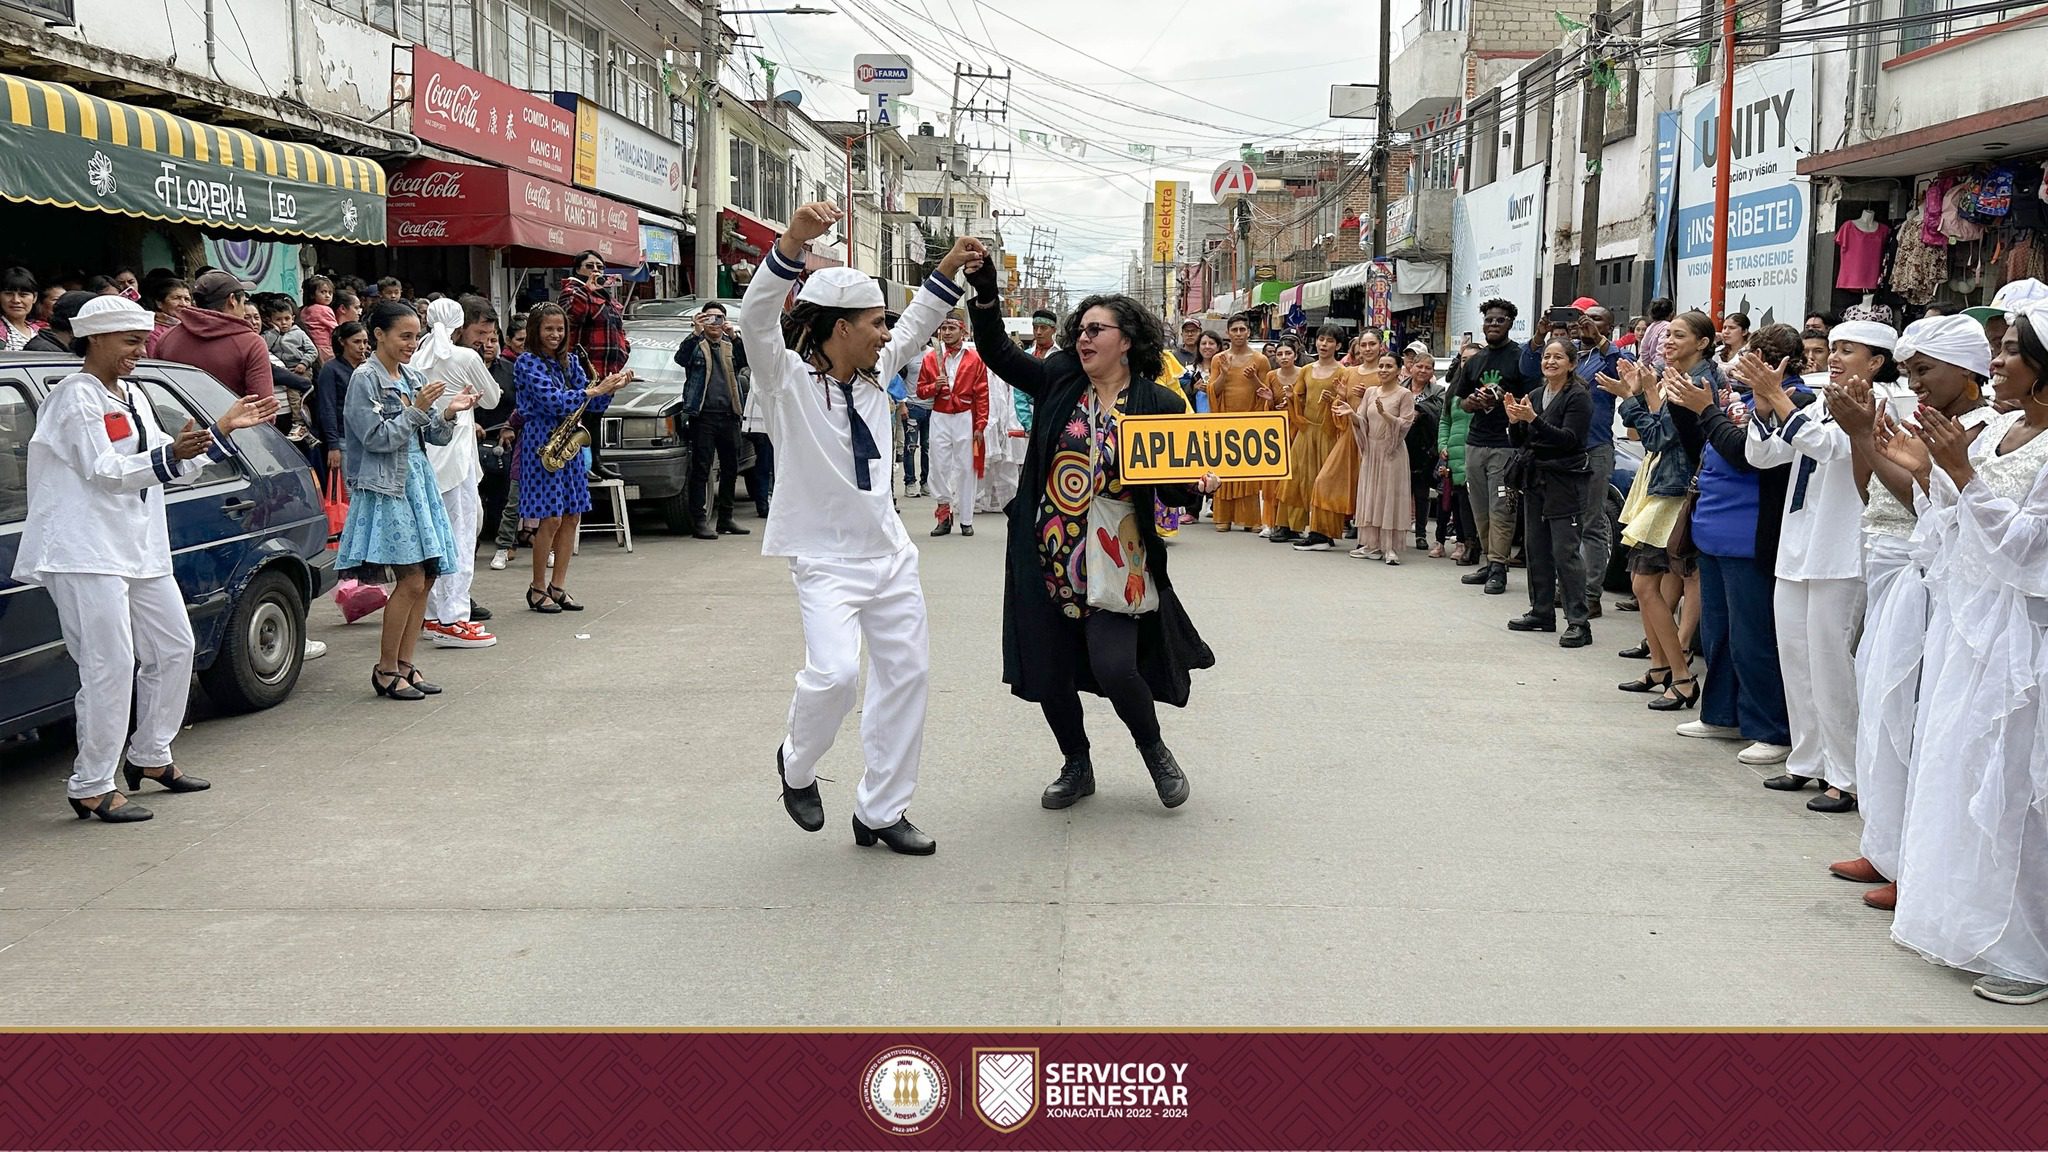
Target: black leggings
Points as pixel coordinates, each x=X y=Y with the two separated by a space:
x=1111 y=643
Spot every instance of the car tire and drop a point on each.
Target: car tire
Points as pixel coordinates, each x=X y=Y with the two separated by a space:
x=675 y=514
x=1615 y=579
x=264 y=648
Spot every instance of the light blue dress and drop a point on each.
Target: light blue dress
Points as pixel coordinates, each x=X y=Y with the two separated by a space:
x=385 y=534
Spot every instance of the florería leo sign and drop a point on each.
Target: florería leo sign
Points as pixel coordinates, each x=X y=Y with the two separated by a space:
x=1183 y=448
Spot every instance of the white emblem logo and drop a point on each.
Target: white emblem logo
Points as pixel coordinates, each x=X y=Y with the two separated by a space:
x=1005 y=1086
x=348 y=217
x=904 y=1090
x=99 y=172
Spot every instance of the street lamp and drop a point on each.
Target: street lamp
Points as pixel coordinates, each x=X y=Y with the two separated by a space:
x=710 y=51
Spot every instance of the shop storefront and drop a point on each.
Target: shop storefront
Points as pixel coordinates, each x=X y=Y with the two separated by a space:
x=1944 y=215
x=743 y=242
x=117 y=183
x=531 y=225
x=623 y=160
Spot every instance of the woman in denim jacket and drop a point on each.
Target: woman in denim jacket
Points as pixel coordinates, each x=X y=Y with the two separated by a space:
x=397 y=531
x=1655 y=502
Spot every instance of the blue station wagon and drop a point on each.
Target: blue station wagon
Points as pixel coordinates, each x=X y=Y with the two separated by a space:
x=248 y=544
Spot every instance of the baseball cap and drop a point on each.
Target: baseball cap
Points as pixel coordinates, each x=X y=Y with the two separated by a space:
x=214 y=288
x=1585 y=303
x=2013 y=297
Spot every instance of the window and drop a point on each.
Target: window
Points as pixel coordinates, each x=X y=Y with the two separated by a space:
x=741 y=157
x=516 y=63
x=383 y=14
x=412 y=21
x=1922 y=32
x=1537 y=94
x=17 y=425
x=1446 y=15
x=931 y=206
x=1627 y=21
x=682 y=128
x=171 y=414
x=1709 y=28
x=1482 y=145
x=774 y=187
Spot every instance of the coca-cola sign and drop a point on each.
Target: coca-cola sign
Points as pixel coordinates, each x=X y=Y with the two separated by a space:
x=440 y=185
x=440 y=202
x=462 y=109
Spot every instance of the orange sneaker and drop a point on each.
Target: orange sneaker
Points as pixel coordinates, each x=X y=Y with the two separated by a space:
x=1857 y=871
x=462 y=634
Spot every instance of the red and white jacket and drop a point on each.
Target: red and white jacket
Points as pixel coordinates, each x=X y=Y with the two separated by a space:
x=968 y=391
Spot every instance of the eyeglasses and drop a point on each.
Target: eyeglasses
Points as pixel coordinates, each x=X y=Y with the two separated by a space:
x=1091 y=331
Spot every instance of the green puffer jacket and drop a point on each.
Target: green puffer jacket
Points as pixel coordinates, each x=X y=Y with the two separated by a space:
x=1450 y=437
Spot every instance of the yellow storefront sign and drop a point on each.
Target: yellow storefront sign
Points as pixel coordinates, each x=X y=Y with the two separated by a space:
x=1165 y=220
x=1184 y=448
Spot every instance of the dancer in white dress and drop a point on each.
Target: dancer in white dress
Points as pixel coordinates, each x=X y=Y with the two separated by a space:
x=1973 y=884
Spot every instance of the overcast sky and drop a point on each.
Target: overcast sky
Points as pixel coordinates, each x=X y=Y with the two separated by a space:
x=1204 y=75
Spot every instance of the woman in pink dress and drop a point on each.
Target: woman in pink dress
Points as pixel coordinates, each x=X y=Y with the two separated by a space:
x=1379 y=424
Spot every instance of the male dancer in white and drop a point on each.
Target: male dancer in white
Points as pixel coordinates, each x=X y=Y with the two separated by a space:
x=818 y=375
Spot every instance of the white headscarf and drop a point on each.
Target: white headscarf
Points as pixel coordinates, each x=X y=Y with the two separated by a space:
x=1868 y=333
x=104 y=314
x=444 y=316
x=1956 y=340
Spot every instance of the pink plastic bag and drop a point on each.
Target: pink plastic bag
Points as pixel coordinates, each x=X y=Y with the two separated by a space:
x=357 y=599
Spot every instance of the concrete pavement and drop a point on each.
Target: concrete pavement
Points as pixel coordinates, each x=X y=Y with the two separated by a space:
x=1402 y=814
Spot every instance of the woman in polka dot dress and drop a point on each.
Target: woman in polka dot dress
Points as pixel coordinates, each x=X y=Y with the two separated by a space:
x=551 y=383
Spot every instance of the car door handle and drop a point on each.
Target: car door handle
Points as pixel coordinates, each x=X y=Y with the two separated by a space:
x=235 y=506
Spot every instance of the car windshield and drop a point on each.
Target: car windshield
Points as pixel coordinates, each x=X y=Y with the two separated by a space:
x=657 y=382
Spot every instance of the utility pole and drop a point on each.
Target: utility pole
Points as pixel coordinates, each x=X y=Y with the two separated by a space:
x=1383 y=127
x=995 y=110
x=1593 y=141
x=710 y=49
x=1722 y=145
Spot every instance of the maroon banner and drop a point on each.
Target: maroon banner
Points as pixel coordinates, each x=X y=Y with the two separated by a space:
x=464 y=110
x=435 y=202
x=1022 y=1090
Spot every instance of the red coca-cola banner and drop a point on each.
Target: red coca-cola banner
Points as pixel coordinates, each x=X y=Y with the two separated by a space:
x=435 y=202
x=464 y=110
x=906 y=1090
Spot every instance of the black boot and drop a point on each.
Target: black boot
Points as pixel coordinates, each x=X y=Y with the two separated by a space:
x=945 y=527
x=803 y=804
x=727 y=528
x=1166 y=775
x=1576 y=635
x=1077 y=779
x=902 y=836
x=1497 y=580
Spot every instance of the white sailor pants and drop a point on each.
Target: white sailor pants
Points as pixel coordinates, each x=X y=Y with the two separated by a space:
x=448 y=596
x=843 y=602
x=1818 y=624
x=953 y=463
x=127 y=635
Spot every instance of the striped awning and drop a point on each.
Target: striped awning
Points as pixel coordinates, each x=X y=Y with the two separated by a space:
x=63 y=147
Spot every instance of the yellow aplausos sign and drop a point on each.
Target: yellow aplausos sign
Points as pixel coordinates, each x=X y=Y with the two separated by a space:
x=1184 y=448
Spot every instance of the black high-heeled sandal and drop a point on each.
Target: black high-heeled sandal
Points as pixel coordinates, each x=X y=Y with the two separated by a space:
x=538 y=601
x=173 y=778
x=1649 y=682
x=562 y=601
x=128 y=813
x=392 y=685
x=419 y=683
x=1680 y=700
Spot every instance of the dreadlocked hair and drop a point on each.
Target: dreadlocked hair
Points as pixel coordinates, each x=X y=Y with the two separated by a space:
x=807 y=326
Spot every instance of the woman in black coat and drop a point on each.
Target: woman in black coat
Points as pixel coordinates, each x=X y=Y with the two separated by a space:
x=1054 y=645
x=1549 y=425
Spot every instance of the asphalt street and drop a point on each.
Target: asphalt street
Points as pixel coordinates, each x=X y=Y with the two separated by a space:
x=1402 y=814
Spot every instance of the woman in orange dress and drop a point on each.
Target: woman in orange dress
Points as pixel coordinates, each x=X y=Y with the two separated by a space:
x=1277 y=393
x=1315 y=387
x=1336 y=488
x=1235 y=378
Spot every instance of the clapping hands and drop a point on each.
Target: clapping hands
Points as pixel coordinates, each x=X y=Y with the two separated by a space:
x=1680 y=389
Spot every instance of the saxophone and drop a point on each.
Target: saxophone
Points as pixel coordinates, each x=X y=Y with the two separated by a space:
x=567 y=441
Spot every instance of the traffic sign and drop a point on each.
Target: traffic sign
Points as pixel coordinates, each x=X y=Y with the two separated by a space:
x=883 y=74
x=1232 y=178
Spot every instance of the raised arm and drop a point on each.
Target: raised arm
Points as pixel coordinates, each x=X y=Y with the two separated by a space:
x=1021 y=370
x=760 y=323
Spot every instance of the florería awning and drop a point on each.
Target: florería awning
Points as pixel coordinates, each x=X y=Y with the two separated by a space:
x=67 y=148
